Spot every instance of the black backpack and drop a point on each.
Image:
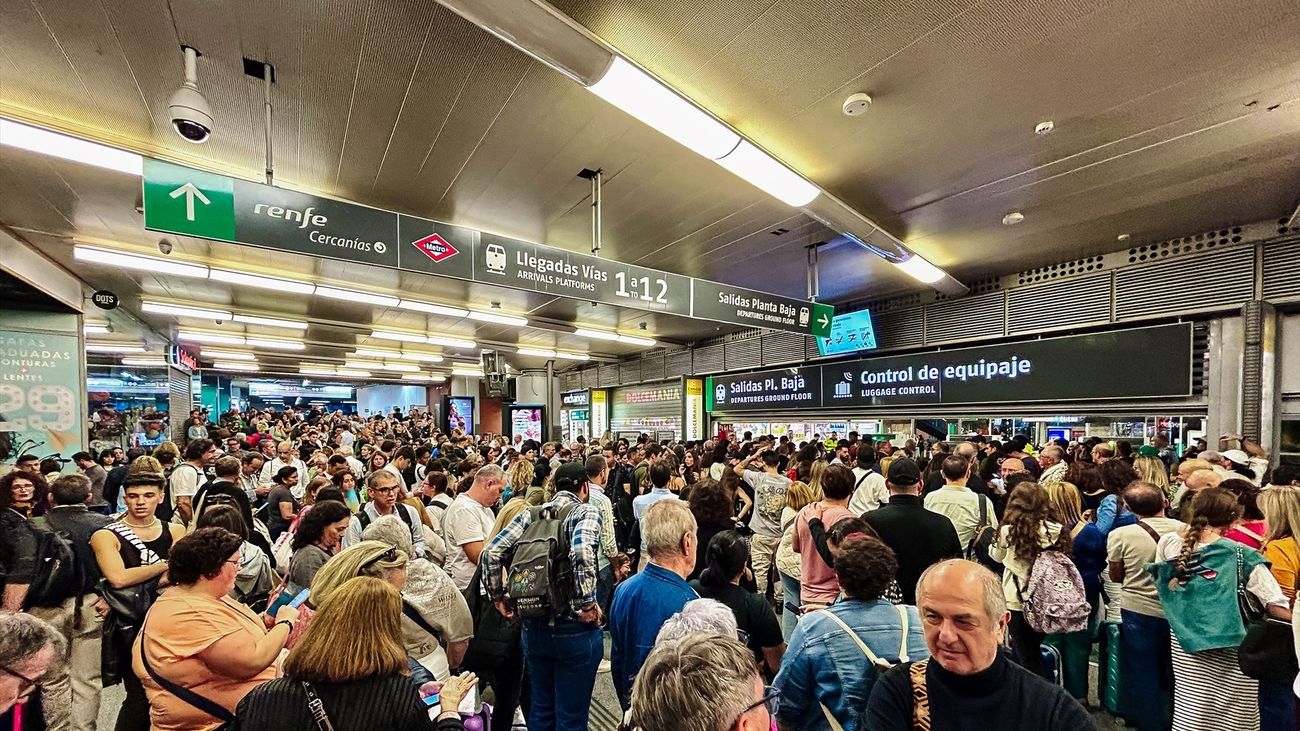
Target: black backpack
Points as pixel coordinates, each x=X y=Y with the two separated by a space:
x=57 y=577
x=540 y=578
x=364 y=518
x=982 y=540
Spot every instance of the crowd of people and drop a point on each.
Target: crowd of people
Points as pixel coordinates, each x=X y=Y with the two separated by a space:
x=312 y=569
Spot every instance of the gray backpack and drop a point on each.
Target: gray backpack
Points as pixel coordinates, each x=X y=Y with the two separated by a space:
x=539 y=578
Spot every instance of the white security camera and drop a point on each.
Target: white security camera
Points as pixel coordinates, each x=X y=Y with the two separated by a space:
x=189 y=111
x=165 y=246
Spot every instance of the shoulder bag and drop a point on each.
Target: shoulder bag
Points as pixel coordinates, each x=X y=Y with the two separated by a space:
x=1267 y=652
x=207 y=705
x=317 y=708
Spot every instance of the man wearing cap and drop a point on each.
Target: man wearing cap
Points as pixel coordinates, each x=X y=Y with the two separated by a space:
x=562 y=653
x=1250 y=462
x=920 y=538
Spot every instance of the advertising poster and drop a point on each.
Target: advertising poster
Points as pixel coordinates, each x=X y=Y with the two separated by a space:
x=460 y=413
x=41 y=407
x=693 y=405
x=528 y=421
x=599 y=413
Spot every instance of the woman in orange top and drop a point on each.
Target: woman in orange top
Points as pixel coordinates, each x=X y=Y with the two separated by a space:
x=196 y=639
x=1281 y=508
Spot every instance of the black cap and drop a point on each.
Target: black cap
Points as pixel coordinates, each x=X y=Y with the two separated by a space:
x=570 y=476
x=903 y=472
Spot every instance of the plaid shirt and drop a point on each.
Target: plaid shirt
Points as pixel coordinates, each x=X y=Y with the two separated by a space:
x=583 y=527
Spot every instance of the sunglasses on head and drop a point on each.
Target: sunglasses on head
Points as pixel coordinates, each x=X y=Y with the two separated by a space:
x=388 y=556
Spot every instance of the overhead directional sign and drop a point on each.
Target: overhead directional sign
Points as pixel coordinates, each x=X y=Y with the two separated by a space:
x=191 y=202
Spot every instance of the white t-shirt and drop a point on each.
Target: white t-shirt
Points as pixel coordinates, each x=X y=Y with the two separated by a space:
x=185 y=481
x=869 y=491
x=466 y=521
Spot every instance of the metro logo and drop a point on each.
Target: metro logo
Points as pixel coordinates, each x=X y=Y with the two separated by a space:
x=435 y=247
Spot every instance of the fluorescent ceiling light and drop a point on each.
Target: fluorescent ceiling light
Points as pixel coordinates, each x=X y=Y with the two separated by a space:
x=634 y=340
x=62 y=146
x=354 y=296
x=314 y=371
x=345 y=390
x=403 y=367
x=466 y=373
x=393 y=335
x=257 y=280
x=537 y=352
x=94 y=328
x=644 y=97
x=422 y=357
x=362 y=364
x=114 y=348
x=921 y=270
x=584 y=332
x=183 y=311
x=377 y=353
x=350 y=373
x=275 y=344
x=769 y=175
x=231 y=365
x=416 y=377
x=431 y=308
x=572 y=356
x=202 y=337
x=227 y=354
x=498 y=318
x=96 y=255
x=144 y=362
x=271 y=322
x=450 y=342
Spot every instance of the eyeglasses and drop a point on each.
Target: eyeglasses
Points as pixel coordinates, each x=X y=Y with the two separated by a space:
x=25 y=683
x=388 y=556
x=771 y=698
x=382 y=490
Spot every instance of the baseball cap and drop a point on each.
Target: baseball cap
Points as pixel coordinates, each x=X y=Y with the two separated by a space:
x=1146 y=450
x=1236 y=456
x=903 y=472
x=570 y=476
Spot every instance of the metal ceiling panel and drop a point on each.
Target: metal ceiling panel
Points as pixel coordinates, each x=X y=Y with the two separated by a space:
x=1059 y=305
x=1282 y=273
x=967 y=317
x=1212 y=280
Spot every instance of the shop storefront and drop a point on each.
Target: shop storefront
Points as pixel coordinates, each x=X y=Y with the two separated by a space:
x=575 y=415
x=1071 y=387
x=655 y=409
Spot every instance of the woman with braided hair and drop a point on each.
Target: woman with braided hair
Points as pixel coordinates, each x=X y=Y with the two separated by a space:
x=1197 y=574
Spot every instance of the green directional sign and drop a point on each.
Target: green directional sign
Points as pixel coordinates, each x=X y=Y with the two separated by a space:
x=188 y=201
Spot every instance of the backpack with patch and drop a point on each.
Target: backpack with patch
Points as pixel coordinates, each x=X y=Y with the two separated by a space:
x=982 y=540
x=539 y=578
x=1053 y=599
x=57 y=577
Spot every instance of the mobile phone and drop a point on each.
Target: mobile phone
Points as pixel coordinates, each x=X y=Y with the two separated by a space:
x=299 y=600
x=431 y=700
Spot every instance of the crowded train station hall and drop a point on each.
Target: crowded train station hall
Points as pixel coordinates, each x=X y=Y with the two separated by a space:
x=554 y=365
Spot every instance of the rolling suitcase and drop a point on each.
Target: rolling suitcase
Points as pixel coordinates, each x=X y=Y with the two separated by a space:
x=1052 y=664
x=1110 y=671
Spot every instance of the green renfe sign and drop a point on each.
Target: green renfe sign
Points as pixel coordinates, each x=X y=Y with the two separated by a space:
x=190 y=202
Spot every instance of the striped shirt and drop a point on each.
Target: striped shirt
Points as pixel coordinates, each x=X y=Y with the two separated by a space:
x=583 y=529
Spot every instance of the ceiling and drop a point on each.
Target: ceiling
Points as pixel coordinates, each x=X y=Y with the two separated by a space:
x=1172 y=116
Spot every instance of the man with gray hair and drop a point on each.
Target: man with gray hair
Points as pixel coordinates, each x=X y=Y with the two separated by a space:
x=70 y=695
x=1052 y=461
x=467 y=523
x=644 y=602
x=28 y=647
x=709 y=616
x=701 y=682
x=966 y=676
x=382 y=487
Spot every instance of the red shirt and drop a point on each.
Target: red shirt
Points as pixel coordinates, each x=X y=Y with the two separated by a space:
x=818 y=583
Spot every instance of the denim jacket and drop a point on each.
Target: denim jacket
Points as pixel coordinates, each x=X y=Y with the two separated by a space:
x=824 y=666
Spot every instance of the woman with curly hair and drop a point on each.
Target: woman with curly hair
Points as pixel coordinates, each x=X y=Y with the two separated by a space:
x=712 y=511
x=1197 y=576
x=519 y=477
x=1027 y=530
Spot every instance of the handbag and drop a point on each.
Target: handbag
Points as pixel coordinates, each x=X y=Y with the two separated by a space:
x=1267 y=653
x=317 y=708
x=207 y=705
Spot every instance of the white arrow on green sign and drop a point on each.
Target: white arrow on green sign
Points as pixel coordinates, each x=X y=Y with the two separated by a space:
x=170 y=192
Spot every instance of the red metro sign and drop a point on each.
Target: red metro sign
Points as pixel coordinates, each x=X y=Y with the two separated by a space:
x=435 y=247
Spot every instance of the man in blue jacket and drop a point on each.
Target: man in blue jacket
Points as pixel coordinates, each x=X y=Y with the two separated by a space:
x=644 y=602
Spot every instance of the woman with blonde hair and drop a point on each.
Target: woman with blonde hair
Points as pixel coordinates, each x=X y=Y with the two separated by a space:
x=1197 y=576
x=367 y=558
x=788 y=563
x=815 y=473
x=1281 y=508
x=1151 y=469
x=519 y=478
x=350 y=666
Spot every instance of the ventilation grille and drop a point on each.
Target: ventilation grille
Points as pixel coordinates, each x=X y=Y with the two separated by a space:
x=591 y=377
x=178 y=402
x=629 y=371
x=742 y=335
x=893 y=304
x=743 y=354
x=1282 y=274
x=899 y=328
x=1051 y=306
x=652 y=367
x=678 y=363
x=1057 y=271
x=782 y=347
x=1188 y=284
x=1185 y=245
x=983 y=286
x=707 y=360
x=1283 y=229
x=969 y=317
x=609 y=375
x=571 y=381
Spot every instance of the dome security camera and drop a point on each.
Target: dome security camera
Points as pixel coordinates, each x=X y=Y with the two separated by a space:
x=165 y=247
x=189 y=111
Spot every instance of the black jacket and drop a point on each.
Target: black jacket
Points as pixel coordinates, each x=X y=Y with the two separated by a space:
x=919 y=537
x=390 y=703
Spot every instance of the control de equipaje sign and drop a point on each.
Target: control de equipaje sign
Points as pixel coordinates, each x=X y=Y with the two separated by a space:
x=191 y=202
x=1140 y=363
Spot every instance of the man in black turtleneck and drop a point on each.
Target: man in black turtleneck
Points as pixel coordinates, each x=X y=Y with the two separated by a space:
x=969 y=683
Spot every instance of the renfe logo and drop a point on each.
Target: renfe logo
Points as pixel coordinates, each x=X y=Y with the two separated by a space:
x=435 y=247
x=719 y=393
